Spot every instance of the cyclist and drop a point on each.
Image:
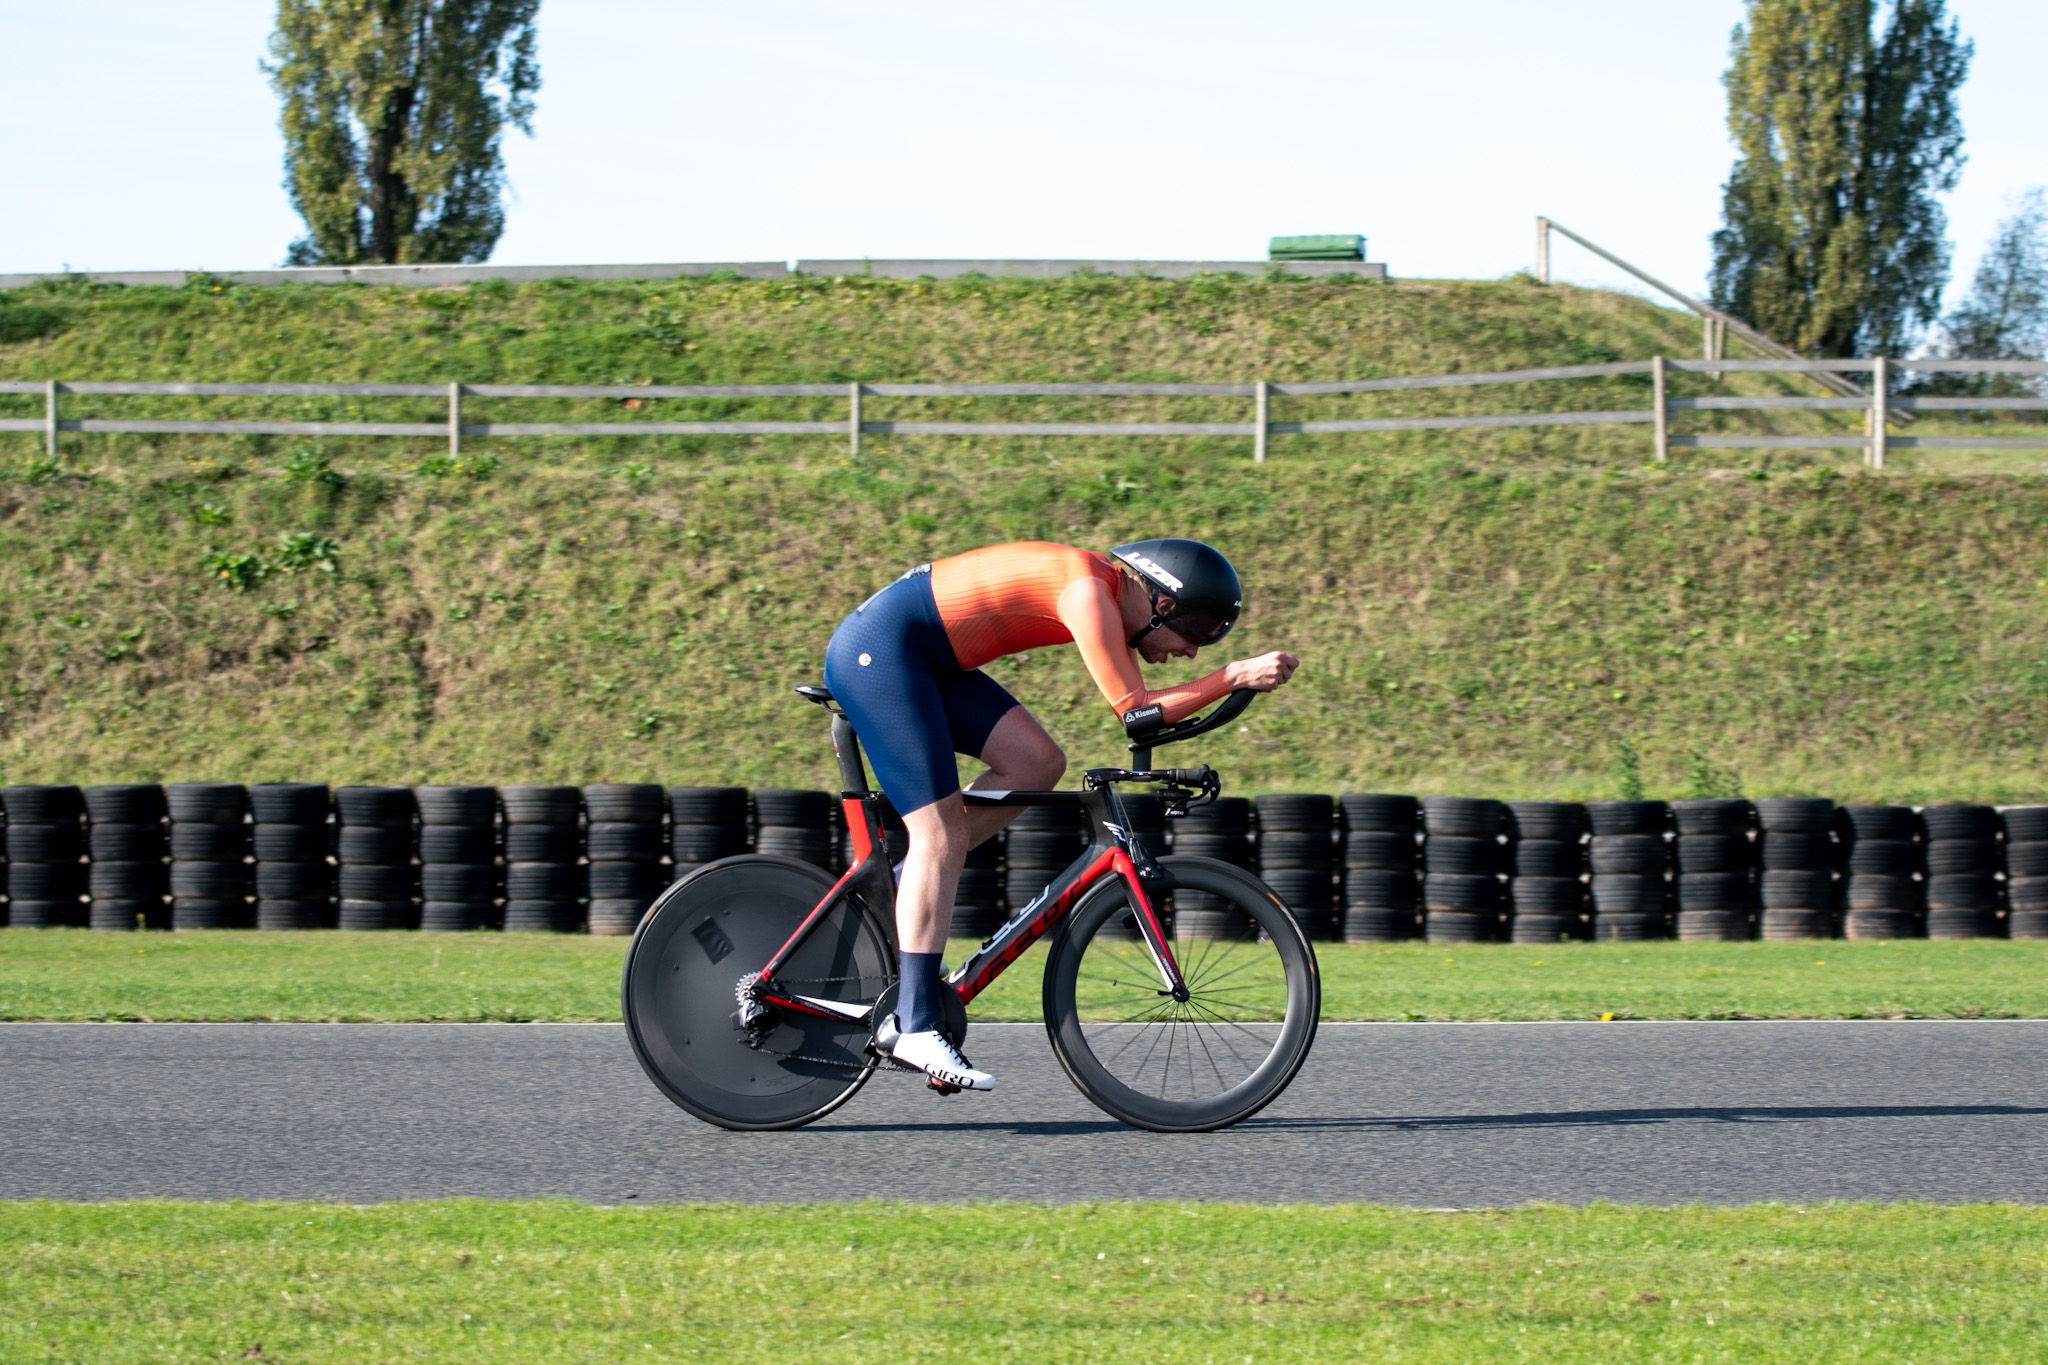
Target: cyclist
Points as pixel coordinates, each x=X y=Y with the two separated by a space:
x=906 y=667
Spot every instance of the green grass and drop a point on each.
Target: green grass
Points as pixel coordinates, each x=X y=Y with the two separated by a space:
x=457 y=1281
x=75 y=974
x=1481 y=613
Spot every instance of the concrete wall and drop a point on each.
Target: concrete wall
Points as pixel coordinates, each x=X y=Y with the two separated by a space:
x=1169 y=270
x=429 y=275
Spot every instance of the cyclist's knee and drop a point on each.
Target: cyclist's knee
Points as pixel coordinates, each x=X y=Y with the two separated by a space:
x=940 y=828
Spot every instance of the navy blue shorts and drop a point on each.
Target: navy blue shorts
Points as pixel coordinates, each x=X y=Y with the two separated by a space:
x=892 y=669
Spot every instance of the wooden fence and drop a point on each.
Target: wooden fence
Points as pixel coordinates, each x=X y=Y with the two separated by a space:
x=1879 y=406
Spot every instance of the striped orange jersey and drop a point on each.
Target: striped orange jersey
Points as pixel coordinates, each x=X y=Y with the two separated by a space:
x=1004 y=599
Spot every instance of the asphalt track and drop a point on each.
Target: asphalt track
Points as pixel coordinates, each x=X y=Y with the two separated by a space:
x=1436 y=1115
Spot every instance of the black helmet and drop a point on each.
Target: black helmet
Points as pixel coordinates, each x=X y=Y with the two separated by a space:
x=1206 y=593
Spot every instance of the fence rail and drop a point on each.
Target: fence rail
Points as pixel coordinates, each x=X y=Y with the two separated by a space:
x=1879 y=407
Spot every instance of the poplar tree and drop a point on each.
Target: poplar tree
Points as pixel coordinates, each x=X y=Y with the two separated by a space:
x=1833 y=239
x=393 y=115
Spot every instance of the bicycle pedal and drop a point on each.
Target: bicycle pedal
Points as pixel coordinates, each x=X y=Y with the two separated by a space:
x=941 y=1088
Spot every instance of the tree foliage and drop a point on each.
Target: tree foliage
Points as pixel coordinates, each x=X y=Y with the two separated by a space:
x=1833 y=240
x=2005 y=314
x=393 y=115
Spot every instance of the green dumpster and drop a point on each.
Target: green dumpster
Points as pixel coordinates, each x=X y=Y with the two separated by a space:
x=1341 y=246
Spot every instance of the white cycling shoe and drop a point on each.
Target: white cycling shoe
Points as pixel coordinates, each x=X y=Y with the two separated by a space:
x=931 y=1053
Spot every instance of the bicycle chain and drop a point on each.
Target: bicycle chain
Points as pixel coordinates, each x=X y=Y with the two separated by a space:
x=836 y=1062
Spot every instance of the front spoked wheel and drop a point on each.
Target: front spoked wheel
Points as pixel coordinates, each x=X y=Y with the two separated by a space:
x=688 y=955
x=1183 y=1067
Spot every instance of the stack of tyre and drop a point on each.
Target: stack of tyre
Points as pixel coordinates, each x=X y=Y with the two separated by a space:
x=624 y=841
x=1715 y=856
x=978 y=900
x=2026 y=870
x=1037 y=846
x=1963 y=862
x=1630 y=859
x=543 y=841
x=458 y=858
x=209 y=855
x=1145 y=813
x=1546 y=890
x=1879 y=848
x=127 y=876
x=796 y=824
x=374 y=847
x=293 y=838
x=45 y=840
x=1796 y=854
x=1219 y=830
x=1380 y=847
x=1297 y=852
x=1461 y=866
x=705 y=824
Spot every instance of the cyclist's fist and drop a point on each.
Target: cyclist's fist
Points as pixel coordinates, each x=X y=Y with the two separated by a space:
x=1262 y=673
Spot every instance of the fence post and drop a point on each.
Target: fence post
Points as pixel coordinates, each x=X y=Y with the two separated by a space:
x=1260 y=403
x=1880 y=381
x=1663 y=407
x=1543 y=251
x=853 y=418
x=50 y=387
x=455 y=419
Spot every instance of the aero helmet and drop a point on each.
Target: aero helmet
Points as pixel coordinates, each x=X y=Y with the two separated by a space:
x=1206 y=593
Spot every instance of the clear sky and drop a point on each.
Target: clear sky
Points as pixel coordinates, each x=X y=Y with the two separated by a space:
x=136 y=134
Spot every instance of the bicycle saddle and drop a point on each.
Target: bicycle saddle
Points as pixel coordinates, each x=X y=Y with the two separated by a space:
x=813 y=692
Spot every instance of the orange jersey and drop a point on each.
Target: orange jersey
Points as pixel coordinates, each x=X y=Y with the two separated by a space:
x=1005 y=599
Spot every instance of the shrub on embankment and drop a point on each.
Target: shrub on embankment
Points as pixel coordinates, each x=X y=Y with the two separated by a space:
x=1485 y=616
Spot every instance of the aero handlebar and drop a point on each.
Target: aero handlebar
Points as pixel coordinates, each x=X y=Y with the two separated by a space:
x=1147 y=733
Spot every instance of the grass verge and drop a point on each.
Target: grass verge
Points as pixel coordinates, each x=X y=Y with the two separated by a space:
x=557 y=1282
x=1479 y=612
x=59 y=974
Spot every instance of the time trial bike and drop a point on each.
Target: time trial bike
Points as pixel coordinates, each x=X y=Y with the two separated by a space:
x=759 y=992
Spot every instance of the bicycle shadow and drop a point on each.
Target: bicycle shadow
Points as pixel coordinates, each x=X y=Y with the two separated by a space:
x=1572 y=1118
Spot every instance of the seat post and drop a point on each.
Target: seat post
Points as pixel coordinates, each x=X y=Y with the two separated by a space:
x=853 y=775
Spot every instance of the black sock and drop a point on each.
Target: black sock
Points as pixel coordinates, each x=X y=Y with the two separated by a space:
x=917 y=1000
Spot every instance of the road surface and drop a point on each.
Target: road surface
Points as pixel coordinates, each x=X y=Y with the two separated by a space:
x=1436 y=1115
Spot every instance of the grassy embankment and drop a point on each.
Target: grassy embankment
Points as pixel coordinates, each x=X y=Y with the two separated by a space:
x=74 y=974
x=456 y=1281
x=1481 y=612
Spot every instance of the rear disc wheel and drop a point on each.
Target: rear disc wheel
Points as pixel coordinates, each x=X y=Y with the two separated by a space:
x=687 y=957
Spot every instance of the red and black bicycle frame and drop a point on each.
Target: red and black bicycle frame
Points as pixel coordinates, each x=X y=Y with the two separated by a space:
x=1113 y=852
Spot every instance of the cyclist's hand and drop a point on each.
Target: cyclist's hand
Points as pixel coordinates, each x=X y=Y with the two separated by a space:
x=1263 y=673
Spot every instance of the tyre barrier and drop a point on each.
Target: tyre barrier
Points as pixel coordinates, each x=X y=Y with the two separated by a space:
x=1461 y=868
x=705 y=824
x=1297 y=856
x=795 y=824
x=623 y=841
x=128 y=880
x=1546 y=858
x=1037 y=846
x=458 y=852
x=1381 y=895
x=2026 y=870
x=209 y=842
x=1366 y=866
x=1962 y=856
x=292 y=837
x=45 y=843
x=543 y=841
x=1714 y=854
x=1221 y=830
x=1796 y=857
x=374 y=870
x=1628 y=854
